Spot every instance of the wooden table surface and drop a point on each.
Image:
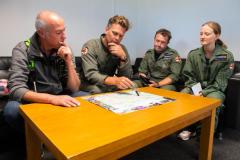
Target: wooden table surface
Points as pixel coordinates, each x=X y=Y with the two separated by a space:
x=92 y=132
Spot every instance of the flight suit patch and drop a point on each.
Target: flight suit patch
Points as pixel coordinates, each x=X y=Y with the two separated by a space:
x=178 y=59
x=167 y=56
x=84 y=51
x=221 y=57
x=231 y=66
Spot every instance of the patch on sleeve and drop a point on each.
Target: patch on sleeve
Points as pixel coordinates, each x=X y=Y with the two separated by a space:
x=231 y=66
x=84 y=51
x=178 y=59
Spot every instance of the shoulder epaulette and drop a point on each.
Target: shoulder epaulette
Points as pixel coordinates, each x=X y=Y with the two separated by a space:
x=194 y=50
x=227 y=51
x=173 y=50
x=149 y=51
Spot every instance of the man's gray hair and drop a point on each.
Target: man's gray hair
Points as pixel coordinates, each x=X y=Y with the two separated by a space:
x=40 y=24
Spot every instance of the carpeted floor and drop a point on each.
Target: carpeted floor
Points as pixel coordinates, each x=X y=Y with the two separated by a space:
x=169 y=148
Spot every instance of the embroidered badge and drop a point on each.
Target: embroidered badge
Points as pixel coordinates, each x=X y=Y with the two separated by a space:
x=221 y=57
x=178 y=59
x=231 y=66
x=167 y=56
x=84 y=51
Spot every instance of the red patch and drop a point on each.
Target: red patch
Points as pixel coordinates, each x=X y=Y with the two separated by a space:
x=178 y=59
x=84 y=51
x=231 y=66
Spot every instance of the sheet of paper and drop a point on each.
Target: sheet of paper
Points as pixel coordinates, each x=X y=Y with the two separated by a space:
x=127 y=101
x=197 y=89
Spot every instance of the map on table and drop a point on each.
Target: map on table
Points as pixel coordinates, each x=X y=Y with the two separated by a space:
x=127 y=101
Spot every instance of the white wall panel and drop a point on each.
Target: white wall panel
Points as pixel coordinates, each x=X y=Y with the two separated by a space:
x=86 y=19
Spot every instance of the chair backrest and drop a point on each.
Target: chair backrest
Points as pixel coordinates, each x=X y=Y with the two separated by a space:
x=236 y=66
x=137 y=64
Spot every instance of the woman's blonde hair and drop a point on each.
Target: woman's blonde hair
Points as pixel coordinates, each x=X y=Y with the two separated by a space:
x=217 y=30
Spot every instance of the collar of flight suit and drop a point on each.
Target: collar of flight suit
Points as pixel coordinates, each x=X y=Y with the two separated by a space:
x=101 y=41
x=161 y=54
x=35 y=50
x=217 y=51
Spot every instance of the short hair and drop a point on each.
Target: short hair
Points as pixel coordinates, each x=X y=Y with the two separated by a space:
x=165 y=33
x=41 y=21
x=121 y=20
x=40 y=24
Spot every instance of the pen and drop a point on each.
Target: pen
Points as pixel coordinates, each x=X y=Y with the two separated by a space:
x=136 y=91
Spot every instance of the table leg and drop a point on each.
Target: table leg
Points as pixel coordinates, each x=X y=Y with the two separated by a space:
x=206 y=138
x=33 y=144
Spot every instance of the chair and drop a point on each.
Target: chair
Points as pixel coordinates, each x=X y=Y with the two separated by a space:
x=136 y=65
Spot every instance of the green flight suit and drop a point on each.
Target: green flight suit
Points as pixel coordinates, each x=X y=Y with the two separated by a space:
x=98 y=63
x=212 y=75
x=168 y=64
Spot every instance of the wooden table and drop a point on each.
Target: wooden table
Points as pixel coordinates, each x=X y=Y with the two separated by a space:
x=91 y=132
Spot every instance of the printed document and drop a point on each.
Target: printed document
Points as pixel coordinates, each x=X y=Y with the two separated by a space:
x=127 y=101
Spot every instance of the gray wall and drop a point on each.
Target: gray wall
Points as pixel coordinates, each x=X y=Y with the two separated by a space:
x=86 y=19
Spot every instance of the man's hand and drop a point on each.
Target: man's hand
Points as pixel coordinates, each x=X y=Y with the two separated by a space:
x=142 y=74
x=63 y=100
x=59 y=100
x=124 y=83
x=65 y=52
x=119 y=82
x=154 y=84
x=117 y=50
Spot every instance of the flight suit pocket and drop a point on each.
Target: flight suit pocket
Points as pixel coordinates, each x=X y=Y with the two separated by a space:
x=163 y=66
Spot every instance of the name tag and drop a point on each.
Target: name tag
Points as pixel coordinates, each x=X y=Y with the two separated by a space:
x=167 y=56
x=221 y=57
